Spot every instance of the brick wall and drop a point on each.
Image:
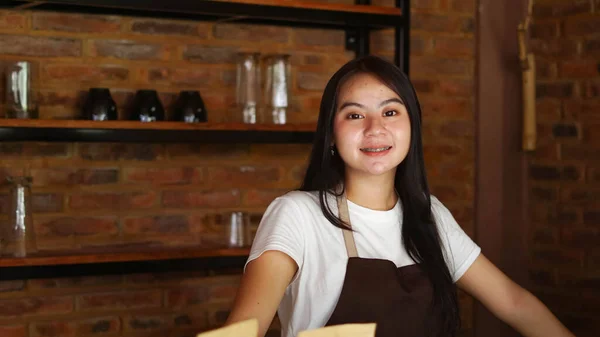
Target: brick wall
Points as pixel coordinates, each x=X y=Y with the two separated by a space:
x=96 y=194
x=563 y=172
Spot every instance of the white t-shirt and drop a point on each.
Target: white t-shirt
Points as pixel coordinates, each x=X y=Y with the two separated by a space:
x=295 y=225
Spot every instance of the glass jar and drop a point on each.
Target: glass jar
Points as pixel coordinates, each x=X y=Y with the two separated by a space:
x=18 y=237
x=277 y=84
x=248 y=88
x=20 y=99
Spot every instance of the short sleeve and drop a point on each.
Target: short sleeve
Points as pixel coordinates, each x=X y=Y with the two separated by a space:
x=280 y=229
x=460 y=250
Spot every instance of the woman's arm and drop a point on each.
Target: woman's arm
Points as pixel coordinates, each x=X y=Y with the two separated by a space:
x=261 y=289
x=511 y=303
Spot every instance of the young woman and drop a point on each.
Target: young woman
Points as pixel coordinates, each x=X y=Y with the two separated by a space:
x=363 y=240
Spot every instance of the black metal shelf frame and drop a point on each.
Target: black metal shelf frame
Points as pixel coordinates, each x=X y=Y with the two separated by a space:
x=356 y=24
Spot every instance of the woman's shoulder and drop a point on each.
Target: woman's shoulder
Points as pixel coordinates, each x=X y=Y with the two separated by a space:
x=300 y=200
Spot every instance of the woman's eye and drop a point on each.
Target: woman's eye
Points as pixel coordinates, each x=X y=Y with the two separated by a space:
x=354 y=116
x=390 y=113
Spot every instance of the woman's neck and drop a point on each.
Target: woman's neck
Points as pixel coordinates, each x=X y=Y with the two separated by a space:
x=373 y=192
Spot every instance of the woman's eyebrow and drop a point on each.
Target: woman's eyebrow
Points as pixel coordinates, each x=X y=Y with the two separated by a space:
x=358 y=105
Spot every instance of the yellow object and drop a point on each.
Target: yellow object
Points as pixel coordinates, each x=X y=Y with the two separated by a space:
x=343 y=330
x=247 y=328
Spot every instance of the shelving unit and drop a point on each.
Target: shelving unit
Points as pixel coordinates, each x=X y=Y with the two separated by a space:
x=103 y=261
x=156 y=132
x=356 y=20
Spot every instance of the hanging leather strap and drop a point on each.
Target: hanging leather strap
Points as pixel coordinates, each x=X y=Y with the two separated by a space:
x=342 y=203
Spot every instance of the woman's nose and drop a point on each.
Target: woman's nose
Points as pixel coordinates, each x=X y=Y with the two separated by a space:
x=375 y=126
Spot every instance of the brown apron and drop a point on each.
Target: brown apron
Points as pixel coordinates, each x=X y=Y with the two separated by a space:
x=376 y=291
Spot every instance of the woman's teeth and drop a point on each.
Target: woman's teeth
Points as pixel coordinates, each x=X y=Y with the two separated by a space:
x=379 y=149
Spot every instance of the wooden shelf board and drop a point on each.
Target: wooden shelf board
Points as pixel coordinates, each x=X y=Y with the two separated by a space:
x=106 y=255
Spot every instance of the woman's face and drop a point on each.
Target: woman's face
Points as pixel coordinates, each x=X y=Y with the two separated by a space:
x=371 y=127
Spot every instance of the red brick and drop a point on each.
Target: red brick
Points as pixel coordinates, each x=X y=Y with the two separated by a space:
x=270 y=34
x=458 y=129
x=560 y=48
x=162 y=225
x=244 y=175
x=139 y=323
x=12 y=20
x=593 y=174
x=563 y=8
x=554 y=90
x=77 y=226
x=542 y=194
x=442 y=107
x=47 y=202
x=544 y=30
x=113 y=201
x=125 y=300
x=112 y=152
x=580 y=237
x=582 y=110
x=34 y=149
x=452 y=192
x=192 y=199
x=436 y=66
x=591 y=218
x=311 y=81
x=453 y=46
x=84 y=73
x=194 y=319
x=162 y=176
x=456 y=87
x=464 y=6
x=579 y=69
x=39 y=46
x=186 y=297
x=545 y=236
x=591 y=47
x=581 y=194
x=74 y=176
x=13 y=331
x=155 y=27
x=129 y=50
x=438 y=23
x=439 y=151
x=96 y=326
x=319 y=37
x=307 y=58
x=578 y=152
x=197 y=77
x=548 y=109
x=75 y=23
x=261 y=198
x=545 y=69
x=204 y=151
x=74 y=282
x=591 y=89
x=205 y=54
x=582 y=25
x=557 y=258
x=13 y=308
x=223 y=292
x=11 y=286
x=60 y=98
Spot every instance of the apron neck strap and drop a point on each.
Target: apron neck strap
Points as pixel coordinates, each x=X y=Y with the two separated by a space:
x=342 y=203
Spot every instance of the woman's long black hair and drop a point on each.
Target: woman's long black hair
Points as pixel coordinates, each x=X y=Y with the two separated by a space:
x=420 y=236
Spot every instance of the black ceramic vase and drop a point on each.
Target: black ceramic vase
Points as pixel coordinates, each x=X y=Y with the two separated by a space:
x=99 y=105
x=189 y=108
x=147 y=107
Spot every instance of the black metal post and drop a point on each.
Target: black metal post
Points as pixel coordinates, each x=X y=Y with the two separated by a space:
x=362 y=35
x=402 y=37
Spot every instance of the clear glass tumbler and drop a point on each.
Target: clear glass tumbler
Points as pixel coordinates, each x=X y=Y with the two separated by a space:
x=238 y=229
x=20 y=98
x=277 y=84
x=248 y=87
x=18 y=237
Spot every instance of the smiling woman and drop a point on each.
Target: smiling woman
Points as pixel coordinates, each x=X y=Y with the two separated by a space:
x=363 y=240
